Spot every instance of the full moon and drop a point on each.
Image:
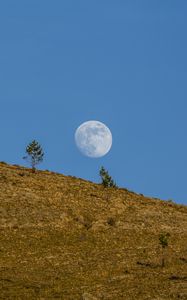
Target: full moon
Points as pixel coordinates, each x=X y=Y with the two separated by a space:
x=93 y=139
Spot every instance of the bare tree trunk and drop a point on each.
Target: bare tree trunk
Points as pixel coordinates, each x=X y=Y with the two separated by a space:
x=33 y=169
x=33 y=166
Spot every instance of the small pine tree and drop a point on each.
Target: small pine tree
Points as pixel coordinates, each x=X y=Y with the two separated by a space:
x=35 y=154
x=163 y=239
x=107 y=180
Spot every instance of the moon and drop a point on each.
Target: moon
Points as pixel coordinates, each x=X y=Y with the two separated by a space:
x=93 y=139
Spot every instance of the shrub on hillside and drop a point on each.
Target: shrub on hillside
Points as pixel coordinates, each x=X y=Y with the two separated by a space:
x=163 y=239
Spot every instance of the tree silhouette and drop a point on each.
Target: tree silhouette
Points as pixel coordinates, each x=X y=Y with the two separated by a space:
x=35 y=154
x=107 y=180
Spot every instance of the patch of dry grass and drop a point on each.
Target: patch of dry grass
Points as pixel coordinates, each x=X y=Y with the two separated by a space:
x=66 y=238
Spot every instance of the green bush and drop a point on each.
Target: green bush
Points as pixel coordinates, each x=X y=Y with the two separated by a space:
x=163 y=238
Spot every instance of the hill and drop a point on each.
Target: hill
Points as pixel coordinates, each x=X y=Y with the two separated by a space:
x=66 y=238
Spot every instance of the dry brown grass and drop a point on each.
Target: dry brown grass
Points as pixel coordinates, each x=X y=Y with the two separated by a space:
x=67 y=238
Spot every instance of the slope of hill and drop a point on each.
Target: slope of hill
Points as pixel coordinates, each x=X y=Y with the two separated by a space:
x=66 y=238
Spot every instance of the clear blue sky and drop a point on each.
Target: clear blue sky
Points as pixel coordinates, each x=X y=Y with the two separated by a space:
x=123 y=63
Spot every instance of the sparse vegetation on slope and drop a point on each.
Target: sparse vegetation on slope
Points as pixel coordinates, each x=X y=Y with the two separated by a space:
x=163 y=238
x=67 y=238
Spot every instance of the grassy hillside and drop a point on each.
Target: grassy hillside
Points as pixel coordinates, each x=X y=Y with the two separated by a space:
x=67 y=238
